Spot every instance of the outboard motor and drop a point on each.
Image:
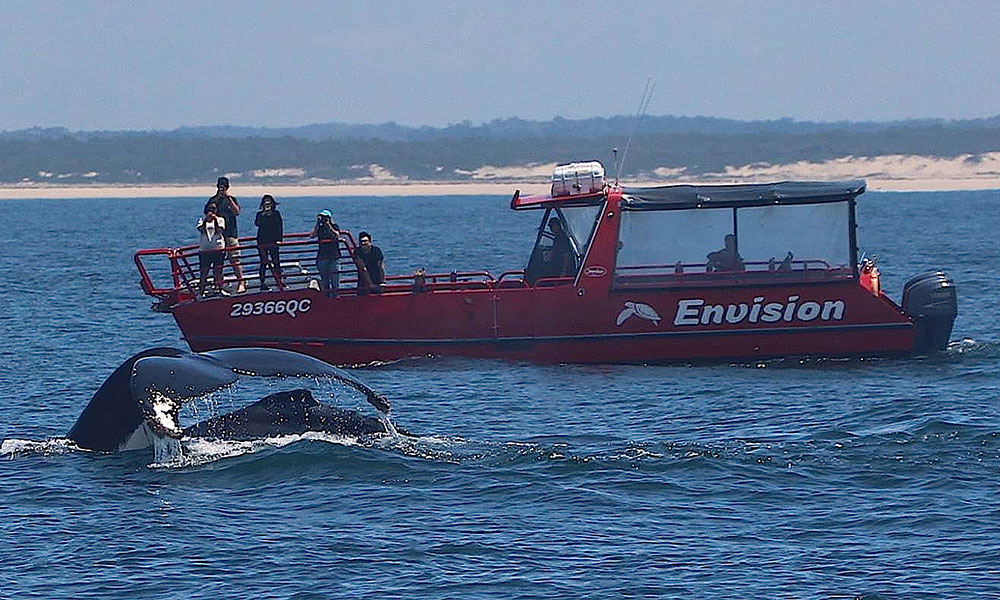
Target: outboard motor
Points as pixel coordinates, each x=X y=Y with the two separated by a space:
x=931 y=300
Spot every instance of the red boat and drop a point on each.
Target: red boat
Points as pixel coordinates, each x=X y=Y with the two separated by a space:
x=617 y=275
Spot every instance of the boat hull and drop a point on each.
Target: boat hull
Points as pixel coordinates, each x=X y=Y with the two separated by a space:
x=560 y=324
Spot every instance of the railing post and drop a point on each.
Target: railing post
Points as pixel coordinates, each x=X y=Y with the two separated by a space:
x=175 y=270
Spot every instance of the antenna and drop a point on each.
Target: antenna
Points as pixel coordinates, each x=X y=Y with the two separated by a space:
x=647 y=95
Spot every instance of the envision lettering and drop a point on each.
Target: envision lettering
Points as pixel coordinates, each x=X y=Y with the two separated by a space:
x=695 y=312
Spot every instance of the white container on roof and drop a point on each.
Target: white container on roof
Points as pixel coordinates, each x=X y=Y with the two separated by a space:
x=578 y=178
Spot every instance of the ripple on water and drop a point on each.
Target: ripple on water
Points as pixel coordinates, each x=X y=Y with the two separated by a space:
x=827 y=479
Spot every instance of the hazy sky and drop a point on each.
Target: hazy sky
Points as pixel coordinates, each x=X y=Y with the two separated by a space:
x=160 y=65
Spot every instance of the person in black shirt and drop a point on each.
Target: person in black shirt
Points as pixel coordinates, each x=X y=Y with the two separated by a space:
x=270 y=231
x=229 y=209
x=371 y=264
x=328 y=256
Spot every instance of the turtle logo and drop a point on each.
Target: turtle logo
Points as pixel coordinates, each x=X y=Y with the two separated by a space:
x=640 y=310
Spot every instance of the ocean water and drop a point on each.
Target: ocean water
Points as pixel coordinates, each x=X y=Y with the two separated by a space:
x=824 y=479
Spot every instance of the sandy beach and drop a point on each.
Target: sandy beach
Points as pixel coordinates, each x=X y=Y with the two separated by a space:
x=22 y=192
x=883 y=173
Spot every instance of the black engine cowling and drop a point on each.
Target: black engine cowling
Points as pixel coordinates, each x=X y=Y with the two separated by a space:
x=931 y=300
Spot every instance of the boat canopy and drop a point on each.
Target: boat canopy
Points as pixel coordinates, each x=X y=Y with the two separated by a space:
x=670 y=197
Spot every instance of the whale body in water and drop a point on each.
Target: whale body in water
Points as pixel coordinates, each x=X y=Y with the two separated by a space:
x=139 y=403
x=285 y=413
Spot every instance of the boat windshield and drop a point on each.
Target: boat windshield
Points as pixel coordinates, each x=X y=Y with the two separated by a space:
x=811 y=239
x=580 y=222
x=563 y=238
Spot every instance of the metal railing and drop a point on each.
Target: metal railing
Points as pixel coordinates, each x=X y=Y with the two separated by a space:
x=172 y=274
x=297 y=258
x=684 y=274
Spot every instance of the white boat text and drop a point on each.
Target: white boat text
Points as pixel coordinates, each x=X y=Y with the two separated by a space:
x=292 y=308
x=696 y=312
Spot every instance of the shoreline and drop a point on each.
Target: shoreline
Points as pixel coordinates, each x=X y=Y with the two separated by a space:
x=424 y=188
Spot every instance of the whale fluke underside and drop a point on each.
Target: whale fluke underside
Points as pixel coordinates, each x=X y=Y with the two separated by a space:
x=113 y=414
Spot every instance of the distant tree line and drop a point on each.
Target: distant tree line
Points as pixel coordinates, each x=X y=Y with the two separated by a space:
x=701 y=145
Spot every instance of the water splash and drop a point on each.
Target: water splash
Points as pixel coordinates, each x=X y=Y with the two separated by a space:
x=12 y=448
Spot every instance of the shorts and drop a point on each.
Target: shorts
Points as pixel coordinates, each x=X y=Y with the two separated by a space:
x=233 y=254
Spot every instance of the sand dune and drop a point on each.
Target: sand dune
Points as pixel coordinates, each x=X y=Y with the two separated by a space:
x=885 y=173
x=891 y=172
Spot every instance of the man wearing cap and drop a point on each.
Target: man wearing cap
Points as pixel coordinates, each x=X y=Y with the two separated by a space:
x=229 y=209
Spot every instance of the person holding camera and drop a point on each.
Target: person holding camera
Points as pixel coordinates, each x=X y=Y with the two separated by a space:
x=211 y=241
x=270 y=231
x=228 y=208
x=328 y=256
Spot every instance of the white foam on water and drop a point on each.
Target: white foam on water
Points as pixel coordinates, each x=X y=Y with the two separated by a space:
x=194 y=452
x=15 y=447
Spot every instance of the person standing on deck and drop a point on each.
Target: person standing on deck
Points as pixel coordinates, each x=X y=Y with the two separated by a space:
x=229 y=209
x=211 y=241
x=270 y=231
x=328 y=254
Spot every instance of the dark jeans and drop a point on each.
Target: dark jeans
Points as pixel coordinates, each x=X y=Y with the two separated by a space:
x=211 y=260
x=329 y=275
x=268 y=254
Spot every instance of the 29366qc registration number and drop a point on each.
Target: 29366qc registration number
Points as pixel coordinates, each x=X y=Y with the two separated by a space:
x=292 y=308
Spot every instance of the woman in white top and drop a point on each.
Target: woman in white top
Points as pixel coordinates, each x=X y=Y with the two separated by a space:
x=210 y=247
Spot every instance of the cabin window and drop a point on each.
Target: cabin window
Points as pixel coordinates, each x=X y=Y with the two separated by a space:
x=670 y=241
x=804 y=237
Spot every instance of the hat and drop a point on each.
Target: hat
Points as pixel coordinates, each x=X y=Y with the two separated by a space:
x=267 y=198
x=325 y=213
x=222 y=182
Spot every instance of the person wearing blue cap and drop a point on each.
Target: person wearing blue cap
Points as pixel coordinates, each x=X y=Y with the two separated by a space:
x=328 y=256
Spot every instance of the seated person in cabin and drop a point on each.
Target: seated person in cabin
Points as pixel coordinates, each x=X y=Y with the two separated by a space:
x=562 y=260
x=727 y=259
x=371 y=264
